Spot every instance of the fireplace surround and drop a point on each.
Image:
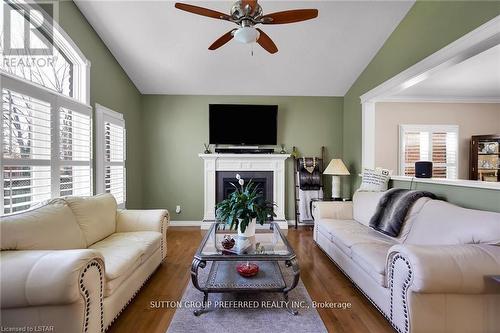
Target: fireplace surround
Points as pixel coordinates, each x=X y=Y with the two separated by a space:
x=268 y=166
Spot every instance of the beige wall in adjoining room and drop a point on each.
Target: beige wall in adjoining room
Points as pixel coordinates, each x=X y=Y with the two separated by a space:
x=472 y=119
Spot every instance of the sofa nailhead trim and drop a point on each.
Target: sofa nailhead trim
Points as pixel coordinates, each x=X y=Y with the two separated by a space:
x=162 y=251
x=404 y=291
x=86 y=294
x=130 y=300
x=357 y=287
x=165 y=220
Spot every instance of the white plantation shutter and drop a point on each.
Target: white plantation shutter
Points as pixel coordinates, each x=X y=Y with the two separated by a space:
x=111 y=147
x=26 y=150
x=436 y=143
x=411 y=151
x=45 y=144
x=75 y=154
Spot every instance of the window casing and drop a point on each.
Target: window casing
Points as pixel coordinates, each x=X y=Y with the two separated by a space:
x=436 y=143
x=111 y=154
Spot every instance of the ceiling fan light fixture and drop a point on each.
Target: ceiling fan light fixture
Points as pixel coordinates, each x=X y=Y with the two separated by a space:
x=246 y=35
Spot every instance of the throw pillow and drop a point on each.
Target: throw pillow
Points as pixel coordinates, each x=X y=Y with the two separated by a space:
x=375 y=180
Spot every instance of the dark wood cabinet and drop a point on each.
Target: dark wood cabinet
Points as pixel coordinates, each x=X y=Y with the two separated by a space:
x=484 y=159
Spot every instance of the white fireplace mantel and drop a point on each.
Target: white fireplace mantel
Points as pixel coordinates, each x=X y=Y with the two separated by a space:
x=243 y=162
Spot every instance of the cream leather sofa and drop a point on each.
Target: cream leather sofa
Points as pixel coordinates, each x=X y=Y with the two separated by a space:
x=434 y=277
x=75 y=263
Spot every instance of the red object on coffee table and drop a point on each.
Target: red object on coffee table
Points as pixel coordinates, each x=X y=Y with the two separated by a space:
x=247 y=269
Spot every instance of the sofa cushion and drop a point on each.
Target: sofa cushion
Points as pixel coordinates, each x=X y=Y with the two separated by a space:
x=35 y=229
x=411 y=216
x=347 y=233
x=95 y=215
x=364 y=205
x=123 y=253
x=441 y=223
x=371 y=257
x=327 y=227
x=148 y=241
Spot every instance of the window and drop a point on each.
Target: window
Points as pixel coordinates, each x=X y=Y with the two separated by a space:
x=45 y=124
x=111 y=147
x=51 y=59
x=436 y=143
x=46 y=146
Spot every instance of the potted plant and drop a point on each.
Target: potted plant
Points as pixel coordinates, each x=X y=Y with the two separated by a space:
x=244 y=207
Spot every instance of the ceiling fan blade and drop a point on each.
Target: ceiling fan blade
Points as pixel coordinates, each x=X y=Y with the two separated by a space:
x=222 y=40
x=266 y=42
x=201 y=11
x=290 y=16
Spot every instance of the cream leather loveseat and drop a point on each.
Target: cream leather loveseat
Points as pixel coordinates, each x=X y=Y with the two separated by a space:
x=75 y=263
x=434 y=277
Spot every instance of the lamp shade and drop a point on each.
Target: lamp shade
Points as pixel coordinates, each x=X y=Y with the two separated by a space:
x=336 y=167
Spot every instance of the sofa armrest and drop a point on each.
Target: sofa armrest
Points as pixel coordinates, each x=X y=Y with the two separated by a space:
x=145 y=220
x=142 y=220
x=447 y=269
x=37 y=278
x=340 y=210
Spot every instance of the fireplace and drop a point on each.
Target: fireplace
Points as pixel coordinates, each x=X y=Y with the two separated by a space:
x=263 y=179
x=262 y=167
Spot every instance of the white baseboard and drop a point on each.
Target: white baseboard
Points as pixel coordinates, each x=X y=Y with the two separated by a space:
x=185 y=223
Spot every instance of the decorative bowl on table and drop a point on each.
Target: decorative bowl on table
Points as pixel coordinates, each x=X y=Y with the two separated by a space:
x=247 y=269
x=228 y=242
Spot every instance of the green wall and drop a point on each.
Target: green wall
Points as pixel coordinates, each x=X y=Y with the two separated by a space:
x=463 y=196
x=175 y=128
x=111 y=87
x=428 y=27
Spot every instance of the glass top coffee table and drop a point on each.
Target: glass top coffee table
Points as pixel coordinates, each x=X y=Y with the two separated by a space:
x=267 y=248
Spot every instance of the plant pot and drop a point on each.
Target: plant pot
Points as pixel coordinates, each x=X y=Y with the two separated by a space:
x=249 y=231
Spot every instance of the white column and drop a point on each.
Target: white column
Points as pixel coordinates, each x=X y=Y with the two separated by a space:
x=368 y=135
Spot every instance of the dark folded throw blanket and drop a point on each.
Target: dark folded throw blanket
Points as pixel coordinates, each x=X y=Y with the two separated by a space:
x=392 y=209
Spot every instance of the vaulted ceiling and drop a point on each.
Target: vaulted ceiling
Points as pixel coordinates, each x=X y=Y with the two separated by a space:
x=164 y=50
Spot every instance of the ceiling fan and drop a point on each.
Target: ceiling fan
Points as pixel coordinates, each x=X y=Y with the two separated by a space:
x=247 y=14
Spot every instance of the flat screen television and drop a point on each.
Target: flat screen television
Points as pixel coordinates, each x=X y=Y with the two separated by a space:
x=237 y=124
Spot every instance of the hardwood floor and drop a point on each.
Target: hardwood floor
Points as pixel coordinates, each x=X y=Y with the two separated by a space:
x=323 y=280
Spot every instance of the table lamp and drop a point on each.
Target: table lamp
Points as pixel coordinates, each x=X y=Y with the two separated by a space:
x=336 y=168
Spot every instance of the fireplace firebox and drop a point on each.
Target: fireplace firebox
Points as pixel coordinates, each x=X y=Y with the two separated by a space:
x=263 y=179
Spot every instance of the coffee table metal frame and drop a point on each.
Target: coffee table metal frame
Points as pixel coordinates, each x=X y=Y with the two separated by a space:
x=200 y=261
